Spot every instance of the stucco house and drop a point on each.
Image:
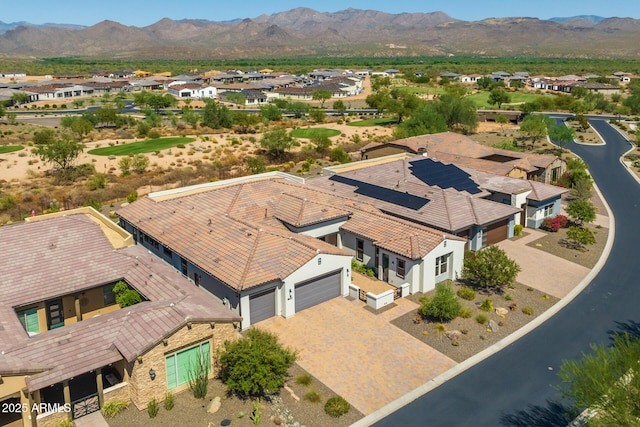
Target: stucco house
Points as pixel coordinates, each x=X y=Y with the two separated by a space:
x=67 y=347
x=272 y=245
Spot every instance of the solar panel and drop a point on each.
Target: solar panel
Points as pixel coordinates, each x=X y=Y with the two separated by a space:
x=381 y=193
x=443 y=175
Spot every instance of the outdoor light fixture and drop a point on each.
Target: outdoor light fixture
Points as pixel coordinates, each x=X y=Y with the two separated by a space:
x=290 y=294
x=152 y=374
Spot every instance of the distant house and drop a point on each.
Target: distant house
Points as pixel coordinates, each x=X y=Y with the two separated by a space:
x=192 y=90
x=449 y=145
x=603 y=88
x=65 y=340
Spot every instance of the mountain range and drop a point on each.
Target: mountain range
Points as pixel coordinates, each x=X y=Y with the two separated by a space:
x=350 y=32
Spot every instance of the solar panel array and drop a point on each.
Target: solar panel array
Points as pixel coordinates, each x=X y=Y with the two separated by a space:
x=381 y=193
x=443 y=175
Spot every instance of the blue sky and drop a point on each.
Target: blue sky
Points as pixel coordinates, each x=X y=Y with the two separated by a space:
x=142 y=12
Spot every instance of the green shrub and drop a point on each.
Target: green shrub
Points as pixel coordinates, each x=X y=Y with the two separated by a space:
x=152 y=408
x=97 y=181
x=66 y=423
x=444 y=305
x=482 y=318
x=517 y=230
x=339 y=155
x=153 y=134
x=312 y=396
x=125 y=296
x=528 y=311
x=465 y=312
x=255 y=364
x=132 y=197
x=466 y=293
x=508 y=297
x=490 y=267
x=336 y=406
x=199 y=376
x=113 y=408
x=304 y=379
x=169 y=401
x=362 y=269
x=487 y=305
x=256 y=413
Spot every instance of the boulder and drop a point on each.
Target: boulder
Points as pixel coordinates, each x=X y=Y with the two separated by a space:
x=453 y=335
x=214 y=406
x=493 y=326
x=501 y=311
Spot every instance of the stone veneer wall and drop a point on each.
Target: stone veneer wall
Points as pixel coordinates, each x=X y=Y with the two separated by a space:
x=142 y=389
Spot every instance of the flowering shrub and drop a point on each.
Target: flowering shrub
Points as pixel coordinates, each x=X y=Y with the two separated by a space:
x=555 y=223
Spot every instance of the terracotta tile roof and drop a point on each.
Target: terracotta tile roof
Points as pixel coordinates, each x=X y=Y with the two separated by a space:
x=445 y=209
x=479 y=164
x=227 y=233
x=64 y=255
x=300 y=212
x=242 y=248
x=463 y=146
x=541 y=191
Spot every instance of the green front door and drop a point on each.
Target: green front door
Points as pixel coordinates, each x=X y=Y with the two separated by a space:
x=29 y=320
x=55 y=314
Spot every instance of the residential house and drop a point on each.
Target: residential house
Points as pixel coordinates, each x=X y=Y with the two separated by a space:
x=272 y=245
x=66 y=345
x=456 y=148
x=424 y=192
x=603 y=88
x=470 y=78
x=435 y=180
x=192 y=90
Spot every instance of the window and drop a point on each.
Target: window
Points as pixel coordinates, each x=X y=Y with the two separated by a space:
x=167 y=251
x=400 y=268
x=196 y=279
x=108 y=295
x=441 y=264
x=360 y=250
x=548 y=210
x=29 y=320
x=179 y=364
x=153 y=242
x=484 y=236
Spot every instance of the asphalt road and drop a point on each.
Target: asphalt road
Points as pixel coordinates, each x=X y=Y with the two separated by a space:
x=514 y=386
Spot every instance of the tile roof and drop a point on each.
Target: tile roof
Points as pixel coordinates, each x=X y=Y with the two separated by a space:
x=446 y=209
x=455 y=144
x=238 y=226
x=68 y=254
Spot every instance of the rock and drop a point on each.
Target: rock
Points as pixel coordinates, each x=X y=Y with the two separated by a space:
x=453 y=335
x=501 y=311
x=214 y=406
x=493 y=326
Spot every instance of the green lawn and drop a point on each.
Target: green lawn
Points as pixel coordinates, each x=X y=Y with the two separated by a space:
x=148 y=146
x=10 y=148
x=421 y=90
x=480 y=99
x=314 y=133
x=383 y=121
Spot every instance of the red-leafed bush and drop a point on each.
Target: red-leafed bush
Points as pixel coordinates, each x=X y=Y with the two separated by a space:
x=555 y=223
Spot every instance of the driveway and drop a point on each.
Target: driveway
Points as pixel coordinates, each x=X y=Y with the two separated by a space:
x=357 y=353
x=556 y=277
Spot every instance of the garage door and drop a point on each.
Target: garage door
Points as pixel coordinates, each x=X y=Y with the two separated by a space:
x=497 y=232
x=262 y=306
x=317 y=290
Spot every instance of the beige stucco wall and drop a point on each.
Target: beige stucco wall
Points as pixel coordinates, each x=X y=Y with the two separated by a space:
x=142 y=389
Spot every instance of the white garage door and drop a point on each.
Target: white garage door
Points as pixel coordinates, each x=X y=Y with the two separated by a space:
x=319 y=289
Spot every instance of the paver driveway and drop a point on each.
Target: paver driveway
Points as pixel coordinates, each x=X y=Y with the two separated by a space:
x=358 y=354
x=541 y=270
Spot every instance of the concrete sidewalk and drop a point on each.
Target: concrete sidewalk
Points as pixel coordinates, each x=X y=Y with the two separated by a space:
x=92 y=420
x=541 y=270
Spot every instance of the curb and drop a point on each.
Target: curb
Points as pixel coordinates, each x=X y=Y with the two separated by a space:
x=489 y=351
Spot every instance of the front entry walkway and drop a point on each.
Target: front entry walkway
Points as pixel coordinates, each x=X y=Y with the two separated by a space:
x=94 y=419
x=358 y=353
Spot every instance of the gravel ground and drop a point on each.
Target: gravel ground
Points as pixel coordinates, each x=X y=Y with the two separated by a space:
x=551 y=243
x=470 y=336
x=190 y=412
